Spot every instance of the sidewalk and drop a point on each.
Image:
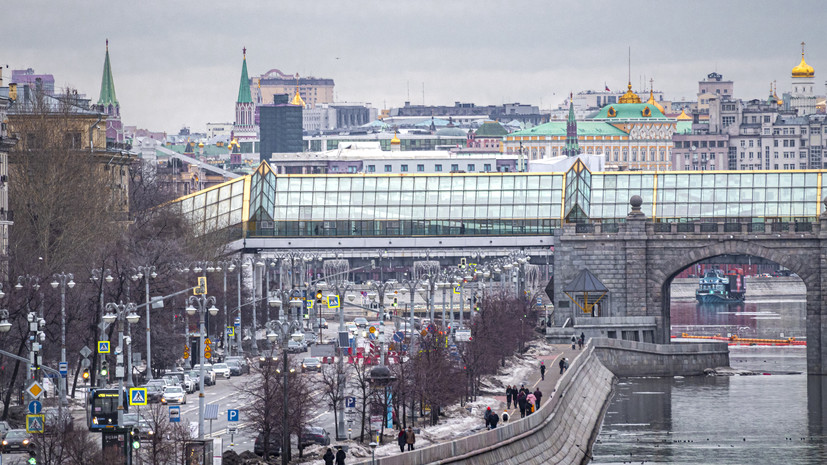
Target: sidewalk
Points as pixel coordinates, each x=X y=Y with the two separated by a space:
x=547 y=385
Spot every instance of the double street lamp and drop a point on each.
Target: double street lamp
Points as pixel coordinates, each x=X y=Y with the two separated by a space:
x=103 y=275
x=121 y=312
x=201 y=301
x=283 y=330
x=147 y=272
x=63 y=280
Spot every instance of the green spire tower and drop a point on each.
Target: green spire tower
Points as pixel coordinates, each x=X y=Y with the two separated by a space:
x=572 y=148
x=244 y=86
x=107 y=96
x=244 y=127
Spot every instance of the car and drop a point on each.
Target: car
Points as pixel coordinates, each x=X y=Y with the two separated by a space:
x=17 y=440
x=323 y=323
x=314 y=435
x=350 y=327
x=170 y=381
x=174 y=395
x=209 y=374
x=361 y=322
x=235 y=367
x=273 y=444
x=222 y=370
x=183 y=380
x=154 y=391
x=145 y=431
x=245 y=367
x=54 y=418
x=311 y=364
x=296 y=347
x=5 y=427
x=310 y=337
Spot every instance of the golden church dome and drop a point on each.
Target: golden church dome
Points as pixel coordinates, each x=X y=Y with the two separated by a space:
x=629 y=96
x=683 y=116
x=654 y=102
x=297 y=99
x=803 y=69
x=395 y=140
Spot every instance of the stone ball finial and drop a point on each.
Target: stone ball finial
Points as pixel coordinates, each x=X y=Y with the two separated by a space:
x=636 y=201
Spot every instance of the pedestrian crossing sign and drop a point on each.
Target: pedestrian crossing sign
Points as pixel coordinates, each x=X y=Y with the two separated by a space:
x=35 y=423
x=230 y=331
x=103 y=347
x=333 y=301
x=137 y=396
x=456 y=290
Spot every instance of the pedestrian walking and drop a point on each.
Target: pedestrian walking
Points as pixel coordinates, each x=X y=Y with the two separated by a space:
x=537 y=395
x=524 y=389
x=505 y=416
x=487 y=417
x=542 y=371
x=402 y=439
x=530 y=400
x=340 y=456
x=583 y=337
x=580 y=343
x=329 y=457
x=522 y=403
x=493 y=419
x=562 y=365
x=410 y=438
x=508 y=392
x=573 y=343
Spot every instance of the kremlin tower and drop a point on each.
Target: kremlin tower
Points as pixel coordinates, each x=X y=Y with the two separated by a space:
x=108 y=103
x=244 y=129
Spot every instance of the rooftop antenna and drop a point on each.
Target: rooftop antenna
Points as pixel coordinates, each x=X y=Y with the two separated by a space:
x=630 y=64
x=409 y=91
x=423 y=94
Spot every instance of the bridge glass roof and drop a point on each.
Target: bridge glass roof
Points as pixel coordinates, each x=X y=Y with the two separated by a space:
x=267 y=204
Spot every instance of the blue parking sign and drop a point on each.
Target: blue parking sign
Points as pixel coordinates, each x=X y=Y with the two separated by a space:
x=232 y=415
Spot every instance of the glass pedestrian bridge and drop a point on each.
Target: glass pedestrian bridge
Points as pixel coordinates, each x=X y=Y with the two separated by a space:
x=266 y=204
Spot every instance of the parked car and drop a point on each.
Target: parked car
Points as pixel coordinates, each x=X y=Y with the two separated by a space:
x=314 y=435
x=183 y=380
x=154 y=391
x=360 y=322
x=296 y=347
x=273 y=444
x=222 y=370
x=209 y=374
x=169 y=381
x=323 y=323
x=174 y=395
x=311 y=364
x=17 y=440
x=5 y=427
x=235 y=367
x=145 y=431
x=310 y=337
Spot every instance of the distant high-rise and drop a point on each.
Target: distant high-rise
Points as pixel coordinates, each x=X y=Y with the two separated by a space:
x=314 y=91
x=108 y=103
x=280 y=126
x=27 y=77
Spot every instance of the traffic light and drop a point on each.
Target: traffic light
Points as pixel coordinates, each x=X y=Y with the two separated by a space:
x=318 y=296
x=85 y=375
x=32 y=458
x=395 y=302
x=104 y=368
x=135 y=438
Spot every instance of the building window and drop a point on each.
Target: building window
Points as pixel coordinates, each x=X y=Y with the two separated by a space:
x=471 y=166
x=388 y=168
x=371 y=168
x=438 y=168
x=454 y=167
x=403 y=168
x=420 y=168
x=487 y=166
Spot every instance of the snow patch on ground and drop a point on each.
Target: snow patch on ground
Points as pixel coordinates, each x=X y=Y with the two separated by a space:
x=519 y=369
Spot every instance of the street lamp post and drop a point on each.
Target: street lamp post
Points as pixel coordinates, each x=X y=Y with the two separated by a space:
x=253 y=263
x=106 y=276
x=285 y=330
x=226 y=266
x=119 y=312
x=201 y=301
x=147 y=272
x=63 y=280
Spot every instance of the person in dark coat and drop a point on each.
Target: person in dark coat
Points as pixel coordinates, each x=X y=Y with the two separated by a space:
x=328 y=457
x=538 y=395
x=340 y=457
x=573 y=343
x=522 y=403
x=542 y=371
x=487 y=417
x=508 y=393
x=493 y=419
x=562 y=365
x=402 y=440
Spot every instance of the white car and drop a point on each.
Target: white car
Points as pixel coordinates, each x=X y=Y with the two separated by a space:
x=209 y=373
x=221 y=369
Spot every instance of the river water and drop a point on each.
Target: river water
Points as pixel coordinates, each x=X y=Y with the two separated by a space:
x=778 y=417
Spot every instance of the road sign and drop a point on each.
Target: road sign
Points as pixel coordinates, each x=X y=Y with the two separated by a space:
x=35 y=407
x=211 y=412
x=137 y=396
x=232 y=415
x=333 y=301
x=350 y=402
x=424 y=332
x=398 y=336
x=372 y=336
x=207 y=348
x=308 y=303
x=63 y=368
x=432 y=328
x=103 y=347
x=35 y=389
x=35 y=423
x=174 y=414
x=372 y=329
x=85 y=352
x=232 y=430
x=230 y=331
x=201 y=289
x=456 y=290
x=186 y=352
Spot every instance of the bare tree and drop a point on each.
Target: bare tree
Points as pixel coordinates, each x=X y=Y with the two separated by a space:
x=332 y=383
x=360 y=382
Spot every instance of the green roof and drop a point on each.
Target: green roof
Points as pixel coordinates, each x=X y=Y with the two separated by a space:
x=491 y=129
x=584 y=128
x=244 y=86
x=684 y=127
x=627 y=111
x=107 y=83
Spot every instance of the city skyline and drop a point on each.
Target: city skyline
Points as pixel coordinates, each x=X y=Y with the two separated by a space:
x=180 y=67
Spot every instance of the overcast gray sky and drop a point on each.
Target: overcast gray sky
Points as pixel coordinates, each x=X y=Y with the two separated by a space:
x=177 y=62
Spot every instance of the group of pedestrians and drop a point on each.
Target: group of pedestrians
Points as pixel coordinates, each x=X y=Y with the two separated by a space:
x=329 y=457
x=527 y=401
x=577 y=342
x=406 y=438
